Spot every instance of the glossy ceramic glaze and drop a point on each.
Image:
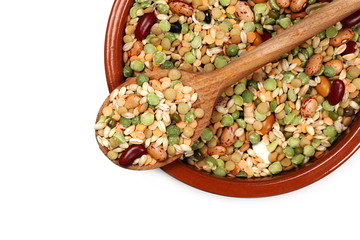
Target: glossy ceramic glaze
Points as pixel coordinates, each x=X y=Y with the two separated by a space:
x=314 y=170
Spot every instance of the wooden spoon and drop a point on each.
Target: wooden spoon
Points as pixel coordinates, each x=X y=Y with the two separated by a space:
x=210 y=85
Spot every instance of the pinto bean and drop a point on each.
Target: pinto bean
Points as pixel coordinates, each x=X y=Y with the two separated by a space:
x=228 y=137
x=136 y=49
x=157 y=152
x=132 y=101
x=243 y=11
x=298 y=5
x=181 y=8
x=314 y=64
x=336 y=64
x=344 y=36
x=217 y=150
x=308 y=107
x=283 y=3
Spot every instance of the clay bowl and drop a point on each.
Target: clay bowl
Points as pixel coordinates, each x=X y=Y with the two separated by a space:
x=341 y=150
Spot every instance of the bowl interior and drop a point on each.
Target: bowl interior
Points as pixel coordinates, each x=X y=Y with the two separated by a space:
x=315 y=169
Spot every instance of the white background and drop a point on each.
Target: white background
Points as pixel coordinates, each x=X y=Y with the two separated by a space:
x=56 y=184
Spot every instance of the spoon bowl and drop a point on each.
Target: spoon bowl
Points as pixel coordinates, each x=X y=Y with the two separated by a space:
x=186 y=80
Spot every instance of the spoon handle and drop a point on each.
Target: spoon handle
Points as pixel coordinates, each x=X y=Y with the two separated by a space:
x=282 y=43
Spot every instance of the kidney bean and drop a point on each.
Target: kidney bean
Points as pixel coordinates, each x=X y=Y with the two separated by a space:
x=283 y=3
x=266 y=36
x=267 y=124
x=336 y=64
x=144 y=25
x=314 y=64
x=343 y=36
x=351 y=20
x=181 y=8
x=298 y=5
x=136 y=49
x=350 y=48
x=336 y=92
x=228 y=137
x=157 y=152
x=243 y=11
x=323 y=88
x=308 y=107
x=217 y=150
x=130 y=154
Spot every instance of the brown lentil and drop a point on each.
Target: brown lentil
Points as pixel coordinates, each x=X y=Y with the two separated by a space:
x=285 y=162
x=263 y=108
x=273 y=156
x=296 y=83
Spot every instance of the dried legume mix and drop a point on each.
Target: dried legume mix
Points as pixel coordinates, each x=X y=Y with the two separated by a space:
x=149 y=121
x=280 y=116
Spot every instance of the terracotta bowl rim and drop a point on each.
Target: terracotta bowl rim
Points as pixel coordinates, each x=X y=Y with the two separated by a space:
x=342 y=150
